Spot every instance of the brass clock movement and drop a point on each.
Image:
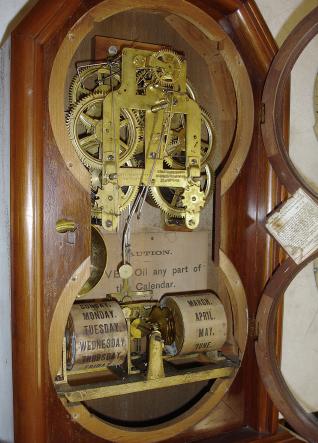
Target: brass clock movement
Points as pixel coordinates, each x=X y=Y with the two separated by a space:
x=138 y=125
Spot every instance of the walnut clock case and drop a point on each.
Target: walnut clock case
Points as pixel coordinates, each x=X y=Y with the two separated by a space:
x=118 y=105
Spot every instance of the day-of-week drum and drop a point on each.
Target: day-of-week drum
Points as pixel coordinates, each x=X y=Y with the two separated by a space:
x=96 y=336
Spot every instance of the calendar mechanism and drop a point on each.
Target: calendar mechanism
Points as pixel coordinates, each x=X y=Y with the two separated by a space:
x=118 y=346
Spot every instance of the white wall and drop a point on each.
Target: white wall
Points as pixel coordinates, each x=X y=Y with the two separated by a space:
x=6 y=414
x=282 y=16
x=11 y=13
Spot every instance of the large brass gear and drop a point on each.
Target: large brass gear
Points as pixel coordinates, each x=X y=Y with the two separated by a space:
x=92 y=79
x=127 y=195
x=85 y=126
x=176 y=149
x=166 y=65
x=191 y=93
x=171 y=201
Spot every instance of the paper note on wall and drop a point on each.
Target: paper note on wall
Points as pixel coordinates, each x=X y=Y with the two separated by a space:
x=295 y=226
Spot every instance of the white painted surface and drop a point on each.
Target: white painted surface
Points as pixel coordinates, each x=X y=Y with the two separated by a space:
x=282 y=16
x=9 y=9
x=6 y=413
x=11 y=12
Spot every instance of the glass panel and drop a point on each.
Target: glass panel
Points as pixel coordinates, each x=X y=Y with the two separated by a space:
x=303 y=137
x=300 y=345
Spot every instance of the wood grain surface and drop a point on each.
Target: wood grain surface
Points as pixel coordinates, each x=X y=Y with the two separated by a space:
x=46 y=188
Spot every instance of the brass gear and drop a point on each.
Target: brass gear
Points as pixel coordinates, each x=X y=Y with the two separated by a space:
x=127 y=196
x=85 y=126
x=166 y=65
x=162 y=317
x=193 y=198
x=170 y=200
x=91 y=79
x=140 y=118
x=144 y=78
x=191 y=93
x=176 y=151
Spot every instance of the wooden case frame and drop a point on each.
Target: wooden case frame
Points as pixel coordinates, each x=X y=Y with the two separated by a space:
x=39 y=415
x=277 y=150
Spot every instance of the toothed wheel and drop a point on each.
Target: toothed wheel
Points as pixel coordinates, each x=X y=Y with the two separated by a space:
x=171 y=201
x=191 y=91
x=140 y=119
x=166 y=65
x=144 y=78
x=85 y=126
x=92 y=79
x=193 y=198
x=176 y=150
x=127 y=195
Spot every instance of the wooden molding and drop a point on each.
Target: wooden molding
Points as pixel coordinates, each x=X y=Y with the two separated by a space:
x=44 y=261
